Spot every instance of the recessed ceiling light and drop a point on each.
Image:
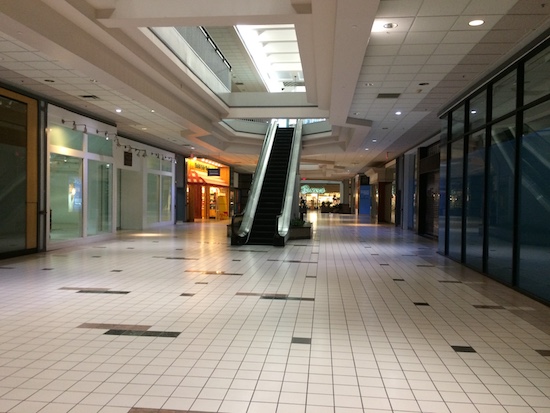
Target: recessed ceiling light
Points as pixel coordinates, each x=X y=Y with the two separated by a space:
x=398 y=113
x=475 y=23
x=366 y=149
x=389 y=25
x=356 y=113
x=473 y=111
x=369 y=84
x=374 y=140
x=118 y=110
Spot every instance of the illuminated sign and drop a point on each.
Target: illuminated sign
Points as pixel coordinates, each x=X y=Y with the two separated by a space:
x=306 y=189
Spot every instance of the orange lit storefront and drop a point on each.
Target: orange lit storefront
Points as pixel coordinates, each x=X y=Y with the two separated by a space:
x=207 y=189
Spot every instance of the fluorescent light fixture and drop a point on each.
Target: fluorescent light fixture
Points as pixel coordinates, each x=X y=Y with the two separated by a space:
x=398 y=113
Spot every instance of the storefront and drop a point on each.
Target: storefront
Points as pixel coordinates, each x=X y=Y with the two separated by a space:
x=19 y=217
x=317 y=195
x=207 y=190
x=99 y=182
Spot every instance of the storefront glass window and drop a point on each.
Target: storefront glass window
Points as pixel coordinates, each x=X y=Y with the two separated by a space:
x=536 y=84
x=501 y=200
x=65 y=197
x=474 y=200
x=166 y=165
x=478 y=111
x=99 y=197
x=457 y=118
x=535 y=202
x=442 y=187
x=13 y=174
x=504 y=95
x=153 y=198
x=67 y=138
x=153 y=163
x=100 y=145
x=166 y=198
x=456 y=199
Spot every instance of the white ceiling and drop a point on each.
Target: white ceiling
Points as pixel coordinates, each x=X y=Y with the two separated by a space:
x=66 y=49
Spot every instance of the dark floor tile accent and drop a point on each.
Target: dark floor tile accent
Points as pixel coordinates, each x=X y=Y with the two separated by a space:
x=249 y=294
x=187 y=295
x=311 y=276
x=424 y=265
x=142 y=333
x=489 y=307
x=384 y=264
x=300 y=299
x=399 y=279
x=274 y=296
x=300 y=245
x=544 y=353
x=422 y=304
x=302 y=262
x=272 y=259
x=179 y=249
x=408 y=255
x=450 y=281
x=103 y=292
x=463 y=349
x=179 y=258
x=96 y=256
x=201 y=282
x=103 y=326
x=235 y=260
x=99 y=247
x=214 y=272
x=7 y=268
x=130 y=248
x=368 y=246
x=47 y=269
x=315 y=252
x=301 y=340
x=116 y=270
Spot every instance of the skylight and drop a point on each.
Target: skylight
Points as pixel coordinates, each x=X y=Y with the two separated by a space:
x=274 y=51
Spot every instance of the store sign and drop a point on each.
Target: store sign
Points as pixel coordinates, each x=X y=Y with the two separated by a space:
x=306 y=189
x=127 y=158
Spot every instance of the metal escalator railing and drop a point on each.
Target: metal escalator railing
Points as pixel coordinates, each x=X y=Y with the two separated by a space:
x=241 y=224
x=290 y=191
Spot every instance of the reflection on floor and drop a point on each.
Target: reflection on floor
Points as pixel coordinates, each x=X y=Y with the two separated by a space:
x=361 y=318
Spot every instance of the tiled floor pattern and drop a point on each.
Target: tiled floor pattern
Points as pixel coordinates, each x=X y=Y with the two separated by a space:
x=361 y=318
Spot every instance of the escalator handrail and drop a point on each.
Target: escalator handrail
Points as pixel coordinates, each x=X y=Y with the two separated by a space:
x=283 y=220
x=257 y=182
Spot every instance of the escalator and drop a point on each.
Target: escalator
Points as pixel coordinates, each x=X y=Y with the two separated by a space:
x=264 y=226
x=272 y=197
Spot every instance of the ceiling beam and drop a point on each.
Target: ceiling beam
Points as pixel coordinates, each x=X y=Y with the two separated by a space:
x=163 y=13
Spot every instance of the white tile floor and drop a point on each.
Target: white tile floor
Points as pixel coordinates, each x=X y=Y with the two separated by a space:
x=372 y=348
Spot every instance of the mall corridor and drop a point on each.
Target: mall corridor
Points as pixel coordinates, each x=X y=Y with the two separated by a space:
x=361 y=318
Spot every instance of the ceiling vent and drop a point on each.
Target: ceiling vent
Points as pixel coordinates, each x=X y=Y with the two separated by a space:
x=388 y=95
x=89 y=97
x=294 y=83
